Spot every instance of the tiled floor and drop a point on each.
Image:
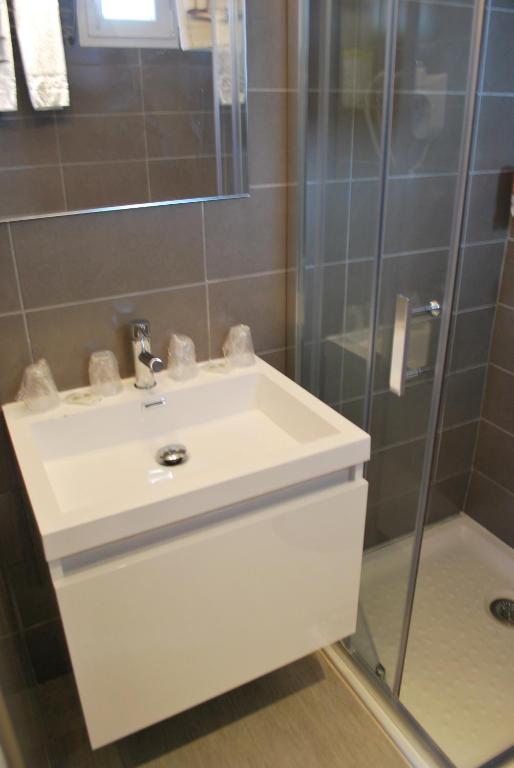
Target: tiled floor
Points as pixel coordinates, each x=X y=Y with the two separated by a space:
x=458 y=680
x=301 y=716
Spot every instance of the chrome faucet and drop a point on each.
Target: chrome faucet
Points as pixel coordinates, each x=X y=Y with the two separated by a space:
x=145 y=363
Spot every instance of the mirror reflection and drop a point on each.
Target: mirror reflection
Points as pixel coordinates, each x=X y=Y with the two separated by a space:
x=108 y=103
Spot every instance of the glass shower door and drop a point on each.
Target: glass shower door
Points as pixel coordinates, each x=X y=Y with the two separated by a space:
x=387 y=139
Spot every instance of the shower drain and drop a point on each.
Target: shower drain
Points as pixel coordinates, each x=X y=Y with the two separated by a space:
x=503 y=609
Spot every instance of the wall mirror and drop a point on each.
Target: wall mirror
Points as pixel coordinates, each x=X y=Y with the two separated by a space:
x=156 y=111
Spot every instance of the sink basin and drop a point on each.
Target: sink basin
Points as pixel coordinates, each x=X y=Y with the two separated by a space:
x=178 y=583
x=92 y=474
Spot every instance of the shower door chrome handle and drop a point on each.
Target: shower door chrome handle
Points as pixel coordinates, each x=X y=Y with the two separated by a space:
x=400 y=373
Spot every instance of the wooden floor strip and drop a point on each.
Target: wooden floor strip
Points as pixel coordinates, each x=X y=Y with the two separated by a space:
x=300 y=716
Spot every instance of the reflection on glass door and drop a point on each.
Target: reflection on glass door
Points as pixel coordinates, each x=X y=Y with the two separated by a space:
x=385 y=136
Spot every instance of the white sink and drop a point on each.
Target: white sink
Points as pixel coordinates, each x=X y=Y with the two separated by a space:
x=177 y=584
x=91 y=470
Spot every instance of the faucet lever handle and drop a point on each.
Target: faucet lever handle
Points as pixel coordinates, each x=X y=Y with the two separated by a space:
x=152 y=362
x=139 y=329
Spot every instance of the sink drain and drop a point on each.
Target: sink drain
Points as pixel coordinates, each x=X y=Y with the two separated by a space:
x=172 y=455
x=503 y=609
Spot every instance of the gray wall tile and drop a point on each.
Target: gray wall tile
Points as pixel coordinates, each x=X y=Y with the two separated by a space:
x=176 y=81
x=488 y=207
x=499 y=398
x=463 y=396
x=456 y=449
x=447 y=497
x=499 y=64
x=28 y=141
x=256 y=301
x=30 y=191
x=9 y=301
x=76 y=258
x=48 y=651
x=492 y=506
x=395 y=472
x=495 y=150
x=94 y=139
x=364 y=212
x=8 y=475
x=390 y=519
x=472 y=338
x=8 y=623
x=32 y=591
x=105 y=87
x=396 y=420
x=180 y=134
x=335 y=212
x=495 y=455
x=184 y=177
x=419 y=148
x=267 y=137
x=12 y=328
x=481 y=271
x=15 y=545
x=419 y=213
x=66 y=336
x=438 y=37
x=506 y=4
x=278 y=359
x=105 y=184
x=358 y=295
x=507 y=284
x=354 y=411
x=421 y=276
x=267 y=63
x=502 y=347
x=248 y=235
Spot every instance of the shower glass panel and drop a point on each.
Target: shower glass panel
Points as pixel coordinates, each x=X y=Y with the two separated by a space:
x=386 y=131
x=342 y=199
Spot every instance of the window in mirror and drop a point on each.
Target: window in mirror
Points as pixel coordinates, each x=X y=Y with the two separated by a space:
x=127 y=24
x=128 y=10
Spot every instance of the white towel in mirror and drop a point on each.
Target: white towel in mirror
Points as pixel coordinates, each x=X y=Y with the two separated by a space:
x=38 y=27
x=195 y=24
x=8 y=100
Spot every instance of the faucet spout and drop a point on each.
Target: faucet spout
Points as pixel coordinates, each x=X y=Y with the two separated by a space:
x=146 y=364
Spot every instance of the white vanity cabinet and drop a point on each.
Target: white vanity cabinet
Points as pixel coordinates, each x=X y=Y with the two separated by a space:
x=177 y=584
x=166 y=625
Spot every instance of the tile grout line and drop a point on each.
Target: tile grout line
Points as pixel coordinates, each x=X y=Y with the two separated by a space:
x=264 y=273
x=497 y=426
x=494 y=482
x=149 y=292
x=20 y=294
x=422 y=436
x=13 y=313
x=112 y=297
x=500 y=368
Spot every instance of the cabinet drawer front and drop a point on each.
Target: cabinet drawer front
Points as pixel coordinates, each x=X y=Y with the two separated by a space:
x=162 y=629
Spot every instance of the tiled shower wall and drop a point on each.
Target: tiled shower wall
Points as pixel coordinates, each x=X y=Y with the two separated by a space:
x=490 y=497
x=69 y=286
x=482 y=256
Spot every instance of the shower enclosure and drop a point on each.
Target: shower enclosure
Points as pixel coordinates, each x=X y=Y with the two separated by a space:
x=387 y=106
